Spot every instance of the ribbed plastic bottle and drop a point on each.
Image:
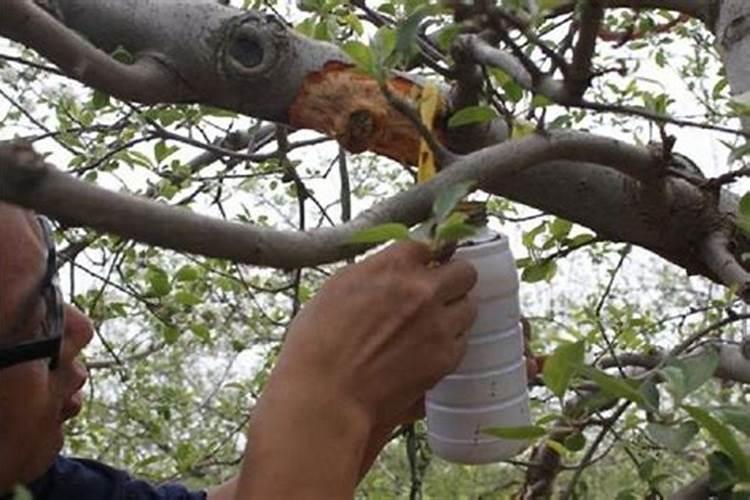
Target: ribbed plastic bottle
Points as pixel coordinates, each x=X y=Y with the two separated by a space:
x=489 y=388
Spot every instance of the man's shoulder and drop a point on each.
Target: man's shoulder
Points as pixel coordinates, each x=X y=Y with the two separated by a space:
x=85 y=479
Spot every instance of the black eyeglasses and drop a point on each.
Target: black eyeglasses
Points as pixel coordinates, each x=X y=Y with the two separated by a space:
x=52 y=325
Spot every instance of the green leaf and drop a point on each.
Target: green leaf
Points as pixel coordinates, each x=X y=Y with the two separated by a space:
x=540 y=101
x=550 y=4
x=575 y=442
x=446 y=35
x=557 y=446
x=675 y=381
x=137 y=158
x=162 y=151
x=454 y=230
x=187 y=273
x=539 y=271
x=219 y=112
x=739 y=153
x=650 y=393
x=721 y=472
x=523 y=432
x=361 y=54
x=560 y=367
x=744 y=206
x=187 y=298
x=99 y=100
x=201 y=331
x=514 y=93
x=724 y=437
x=743 y=222
x=472 y=114
x=560 y=228
x=159 y=282
x=626 y=389
x=737 y=417
x=381 y=233
x=646 y=469
x=698 y=369
x=383 y=44
x=628 y=494
x=674 y=438
x=447 y=199
x=408 y=30
x=170 y=334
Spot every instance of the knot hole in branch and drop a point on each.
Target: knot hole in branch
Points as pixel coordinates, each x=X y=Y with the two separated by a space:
x=246 y=50
x=253 y=47
x=358 y=132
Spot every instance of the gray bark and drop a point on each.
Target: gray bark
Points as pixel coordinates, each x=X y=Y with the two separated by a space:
x=238 y=60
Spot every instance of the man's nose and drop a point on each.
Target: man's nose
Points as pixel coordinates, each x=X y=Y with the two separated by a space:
x=78 y=332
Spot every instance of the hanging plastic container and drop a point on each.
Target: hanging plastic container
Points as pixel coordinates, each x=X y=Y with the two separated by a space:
x=489 y=387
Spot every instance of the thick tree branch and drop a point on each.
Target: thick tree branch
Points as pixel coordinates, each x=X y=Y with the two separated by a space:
x=26 y=180
x=699 y=9
x=147 y=80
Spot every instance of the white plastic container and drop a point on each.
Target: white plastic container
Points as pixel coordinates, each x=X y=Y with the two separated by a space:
x=489 y=387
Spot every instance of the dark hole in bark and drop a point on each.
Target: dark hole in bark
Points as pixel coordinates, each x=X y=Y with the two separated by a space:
x=359 y=130
x=247 y=51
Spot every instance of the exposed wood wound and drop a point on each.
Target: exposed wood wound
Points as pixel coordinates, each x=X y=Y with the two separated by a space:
x=348 y=105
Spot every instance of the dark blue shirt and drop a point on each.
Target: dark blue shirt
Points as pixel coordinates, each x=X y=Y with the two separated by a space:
x=80 y=479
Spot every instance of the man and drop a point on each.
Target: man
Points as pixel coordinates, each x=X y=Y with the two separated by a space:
x=357 y=361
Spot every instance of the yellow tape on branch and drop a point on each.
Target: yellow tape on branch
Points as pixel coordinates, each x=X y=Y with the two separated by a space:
x=428 y=104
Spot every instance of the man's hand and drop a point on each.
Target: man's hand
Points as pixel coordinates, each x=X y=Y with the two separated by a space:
x=359 y=357
x=380 y=333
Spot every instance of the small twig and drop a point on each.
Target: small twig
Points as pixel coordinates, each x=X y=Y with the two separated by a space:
x=32 y=64
x=106 y=364
x=657 y=117
x=592 y=449
x=598 y=311
x=632 y=33
x=688 y=342
x=346 y=191
x=532 y=37
x=564 y=252
x=166 y=134
x=728 y=177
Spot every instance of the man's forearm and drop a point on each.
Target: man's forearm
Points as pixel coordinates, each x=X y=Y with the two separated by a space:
x=301 y=445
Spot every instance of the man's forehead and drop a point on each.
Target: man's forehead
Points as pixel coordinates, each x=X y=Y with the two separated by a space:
x=22 y=263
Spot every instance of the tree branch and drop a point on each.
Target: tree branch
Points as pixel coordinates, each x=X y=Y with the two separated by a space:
x=733 y=365
x=578 y=77
x=699 y=9
x=147 y=80
x=27 y=181
x=716 y=253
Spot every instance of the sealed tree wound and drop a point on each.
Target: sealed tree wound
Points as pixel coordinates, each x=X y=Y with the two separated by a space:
x=348 y=105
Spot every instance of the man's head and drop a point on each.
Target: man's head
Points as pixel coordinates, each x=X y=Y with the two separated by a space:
x=36 y=396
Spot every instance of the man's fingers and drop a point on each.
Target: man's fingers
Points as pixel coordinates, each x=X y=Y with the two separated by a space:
x=455 y=279
x=458 y=317
x=408 y=252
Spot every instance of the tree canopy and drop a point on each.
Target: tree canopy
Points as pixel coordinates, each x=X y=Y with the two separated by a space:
x=208 y=163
